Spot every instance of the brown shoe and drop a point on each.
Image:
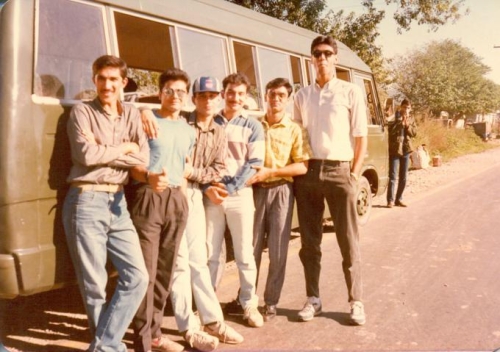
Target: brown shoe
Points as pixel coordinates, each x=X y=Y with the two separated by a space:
x=269 y=312
x=390 y=205
x=401 y=204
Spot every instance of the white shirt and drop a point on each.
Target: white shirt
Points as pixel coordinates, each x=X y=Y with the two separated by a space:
x=333 y=116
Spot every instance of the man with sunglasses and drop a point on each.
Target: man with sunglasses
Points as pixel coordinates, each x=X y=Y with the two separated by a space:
x=160 y=209
x=334 y=113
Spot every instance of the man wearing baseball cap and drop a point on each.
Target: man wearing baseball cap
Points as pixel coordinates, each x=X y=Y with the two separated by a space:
x=192 y=273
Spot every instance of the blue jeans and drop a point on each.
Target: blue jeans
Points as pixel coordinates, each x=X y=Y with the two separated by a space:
x=98 y=226
x=395 y=163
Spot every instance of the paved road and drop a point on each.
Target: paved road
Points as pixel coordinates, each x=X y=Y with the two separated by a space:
x=431 y=281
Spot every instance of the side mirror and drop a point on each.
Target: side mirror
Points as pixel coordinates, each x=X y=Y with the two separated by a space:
x=389 y=110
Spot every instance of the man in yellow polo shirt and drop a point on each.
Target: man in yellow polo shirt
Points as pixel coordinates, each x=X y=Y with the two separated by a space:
x=287 y=152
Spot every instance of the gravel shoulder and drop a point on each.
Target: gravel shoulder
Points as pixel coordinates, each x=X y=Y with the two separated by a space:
x=421 y=182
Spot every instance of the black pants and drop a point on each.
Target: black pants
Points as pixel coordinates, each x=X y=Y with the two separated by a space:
x=160 y=220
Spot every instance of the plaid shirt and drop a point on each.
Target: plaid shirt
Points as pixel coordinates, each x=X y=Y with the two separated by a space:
x=209 y=153
x=286 y=143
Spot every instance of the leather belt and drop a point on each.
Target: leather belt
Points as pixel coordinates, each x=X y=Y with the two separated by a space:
x=272 y=184
x=95 y=187
x=327 y=162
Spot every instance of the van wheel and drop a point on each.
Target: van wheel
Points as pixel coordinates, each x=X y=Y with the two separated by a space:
x=363 y=201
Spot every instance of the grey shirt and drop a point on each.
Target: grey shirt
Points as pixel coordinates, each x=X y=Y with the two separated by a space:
x=102 y=161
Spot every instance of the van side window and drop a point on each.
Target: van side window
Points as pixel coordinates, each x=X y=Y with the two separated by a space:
x=137 y=36
x=244 y=55
x=202 y=54
x=297 y=81
x=370 y=99
x=66 y=48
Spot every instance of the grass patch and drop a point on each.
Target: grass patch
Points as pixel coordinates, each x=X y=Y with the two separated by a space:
x=448 y=142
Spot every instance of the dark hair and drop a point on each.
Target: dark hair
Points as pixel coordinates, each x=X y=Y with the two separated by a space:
x=324 y=39
x=173 y=74
x=405 y=102
x=109 y=61
x=237 y=79
x=280 y=82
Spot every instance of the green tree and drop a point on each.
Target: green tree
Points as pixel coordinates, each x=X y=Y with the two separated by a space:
x=433 y=13
x=445 y=76
x=359 y=32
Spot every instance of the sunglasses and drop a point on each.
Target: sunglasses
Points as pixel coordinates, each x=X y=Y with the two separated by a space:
x=169 y=92
x=317 y=53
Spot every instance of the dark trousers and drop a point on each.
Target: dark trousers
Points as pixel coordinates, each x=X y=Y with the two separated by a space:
x=332 y=181
x=398 y=165
x=272 y=224
x=160 y=220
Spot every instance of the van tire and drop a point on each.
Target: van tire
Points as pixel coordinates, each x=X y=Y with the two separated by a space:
x=363 y=201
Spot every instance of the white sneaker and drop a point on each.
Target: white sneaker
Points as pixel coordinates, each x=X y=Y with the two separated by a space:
x=224 y=333
x=253 y=316
x=201 y=340
x=358 y=316
x=311 y=308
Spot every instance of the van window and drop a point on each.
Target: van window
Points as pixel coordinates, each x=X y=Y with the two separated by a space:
x=135 y=37
x=297 y=82
x=273 y=64
x=67 y=47
x=202 y=54
x=371 y=103
x=244 y=55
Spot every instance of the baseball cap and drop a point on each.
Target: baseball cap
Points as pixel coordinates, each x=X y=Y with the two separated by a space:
x=206 y=84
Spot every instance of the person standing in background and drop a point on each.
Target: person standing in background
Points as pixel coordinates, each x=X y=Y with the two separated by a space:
x=401 y=131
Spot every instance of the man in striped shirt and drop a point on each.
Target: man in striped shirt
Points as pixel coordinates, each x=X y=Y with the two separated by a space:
x=231 y=201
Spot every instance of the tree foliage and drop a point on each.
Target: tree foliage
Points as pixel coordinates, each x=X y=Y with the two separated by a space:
x=433 y=13
x=445 y=76
x=359 y=31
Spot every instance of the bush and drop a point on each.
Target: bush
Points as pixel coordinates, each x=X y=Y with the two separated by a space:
x=448 y=142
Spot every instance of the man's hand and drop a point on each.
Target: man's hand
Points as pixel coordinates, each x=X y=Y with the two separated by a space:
x=188 y=167
x=149 y=124
x=129 y=147
x=158 y=182
x=216 y=193
x=263 y=173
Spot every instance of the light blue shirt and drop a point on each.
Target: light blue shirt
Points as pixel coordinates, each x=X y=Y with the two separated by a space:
x=171 y=148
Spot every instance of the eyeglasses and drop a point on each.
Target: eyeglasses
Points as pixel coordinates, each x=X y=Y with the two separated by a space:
x=280 y=96
x=169 y=92
x=328 y=54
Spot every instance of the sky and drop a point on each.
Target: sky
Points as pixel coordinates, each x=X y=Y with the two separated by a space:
x=479 y=31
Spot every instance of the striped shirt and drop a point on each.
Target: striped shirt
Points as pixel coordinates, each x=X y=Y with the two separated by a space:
x=246 y=148
x=286 y=143
x=209 y=153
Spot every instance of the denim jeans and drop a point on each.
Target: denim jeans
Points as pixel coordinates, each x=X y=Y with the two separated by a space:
x=334 y=184
x=98 y=227
x=395 y=163
x=238 y=210
x=191 y=275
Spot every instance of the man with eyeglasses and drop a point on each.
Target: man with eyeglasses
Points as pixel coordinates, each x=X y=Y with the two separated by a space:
x=160 y=210
x=334 y=113
x=287 y=152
